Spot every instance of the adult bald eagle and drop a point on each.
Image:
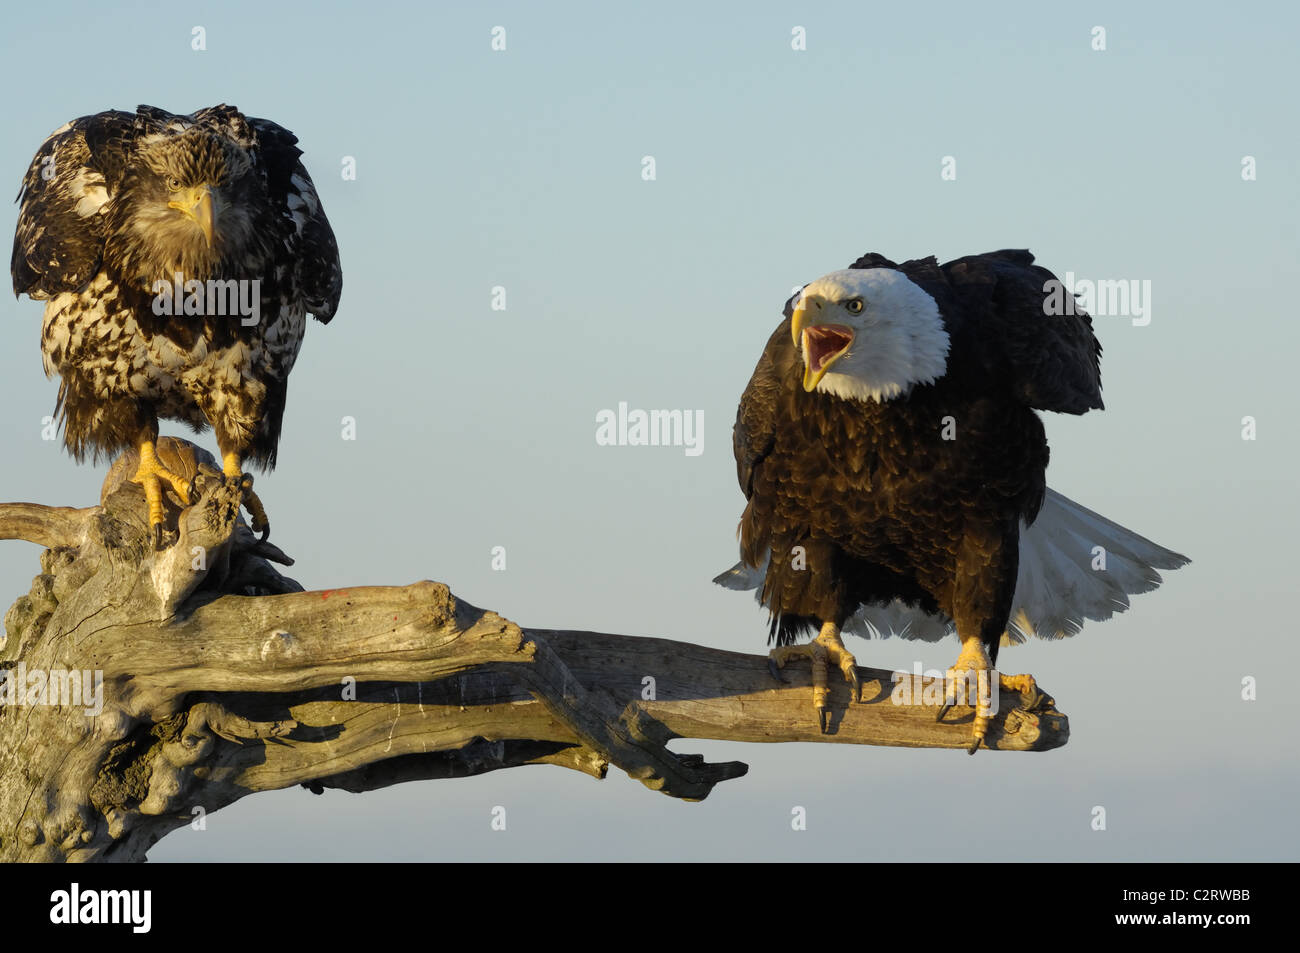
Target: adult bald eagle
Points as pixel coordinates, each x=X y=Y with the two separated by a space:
x=179 y=256
x=889 y=446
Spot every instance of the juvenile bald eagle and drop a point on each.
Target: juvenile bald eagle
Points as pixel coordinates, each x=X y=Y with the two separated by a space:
x=179 y=257
x=889 y=446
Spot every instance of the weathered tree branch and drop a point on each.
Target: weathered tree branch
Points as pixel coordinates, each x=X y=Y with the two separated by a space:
x=52 y=526
x=221 y=677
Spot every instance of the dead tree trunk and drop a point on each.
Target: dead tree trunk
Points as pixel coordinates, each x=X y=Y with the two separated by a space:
x=221 y=677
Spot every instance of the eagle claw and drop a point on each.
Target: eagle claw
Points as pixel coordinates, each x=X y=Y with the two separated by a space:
x=776 y=672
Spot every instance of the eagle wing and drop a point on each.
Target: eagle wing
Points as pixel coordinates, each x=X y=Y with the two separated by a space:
x=59 y=240
x=756 y=417
x=755 y=435
x=1052 y=361
x=318 y=275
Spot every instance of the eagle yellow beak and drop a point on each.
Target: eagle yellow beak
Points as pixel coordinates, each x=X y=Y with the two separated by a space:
x=822 y=345
x=810 y=378
x=797 y=321
x=197 y=204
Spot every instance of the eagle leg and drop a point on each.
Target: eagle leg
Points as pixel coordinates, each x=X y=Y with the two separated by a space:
x=827 y=647
x=964 y=681
x=150 y=475
x=235 y=476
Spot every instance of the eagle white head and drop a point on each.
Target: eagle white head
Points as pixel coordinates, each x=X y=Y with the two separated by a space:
x=878 y=330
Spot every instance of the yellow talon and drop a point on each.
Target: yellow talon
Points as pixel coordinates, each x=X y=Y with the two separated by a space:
x=150 y=475
x=231 y=467
x=827 y=647
x=964 y=680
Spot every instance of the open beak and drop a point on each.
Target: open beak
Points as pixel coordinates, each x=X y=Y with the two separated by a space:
x=822 y=345
x=197 y=204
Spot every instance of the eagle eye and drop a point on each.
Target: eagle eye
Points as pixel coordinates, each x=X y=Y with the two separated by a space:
x=174 y=183
x=854 y=305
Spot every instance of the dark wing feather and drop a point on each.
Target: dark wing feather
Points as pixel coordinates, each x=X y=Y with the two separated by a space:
x=756 y=416
x=59 y=239
x=318 y=275
x=873 y=260
x=756 y=426
x=1053 y=362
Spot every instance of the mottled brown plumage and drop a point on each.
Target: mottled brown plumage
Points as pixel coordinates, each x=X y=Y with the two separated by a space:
x=96 y=232
x=179 y=257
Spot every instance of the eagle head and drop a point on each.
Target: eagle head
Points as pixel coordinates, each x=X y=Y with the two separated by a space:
x=868 y=334
x=190 y=202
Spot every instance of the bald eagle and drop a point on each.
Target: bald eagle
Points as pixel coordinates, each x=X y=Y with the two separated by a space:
x=894 y=464
x=178 y=256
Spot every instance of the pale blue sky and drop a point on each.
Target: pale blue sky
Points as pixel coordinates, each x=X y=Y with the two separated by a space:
x=523 y=169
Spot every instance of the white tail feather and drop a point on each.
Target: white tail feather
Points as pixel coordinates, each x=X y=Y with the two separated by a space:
x=1058 y=588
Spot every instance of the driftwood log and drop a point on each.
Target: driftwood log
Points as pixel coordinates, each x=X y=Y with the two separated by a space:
x=143 y=687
